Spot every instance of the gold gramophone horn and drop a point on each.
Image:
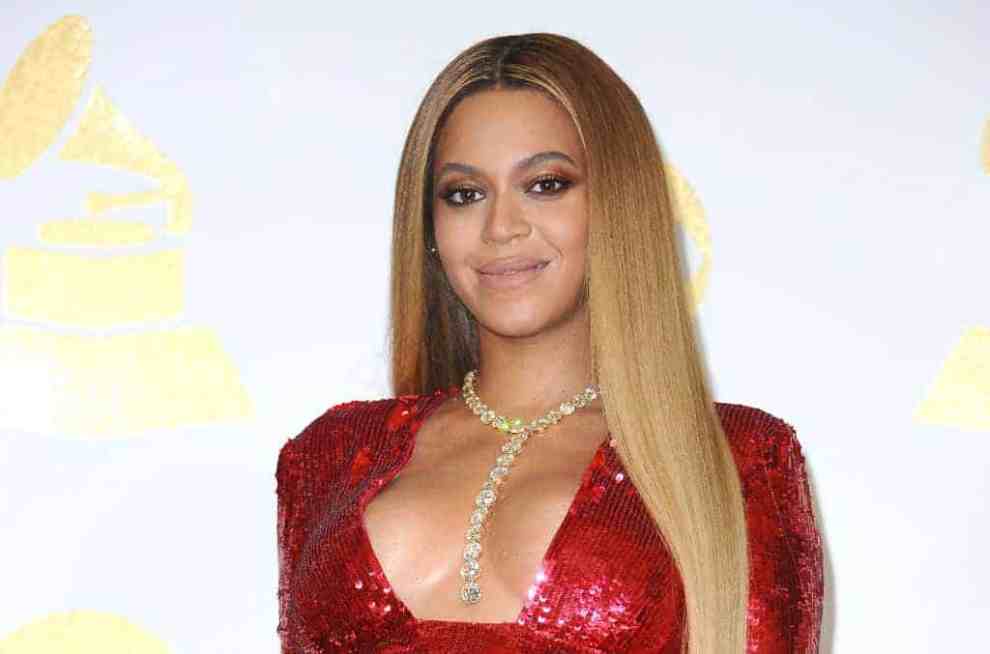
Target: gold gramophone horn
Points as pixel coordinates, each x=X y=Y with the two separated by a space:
x=106 y=137
x=39 y=94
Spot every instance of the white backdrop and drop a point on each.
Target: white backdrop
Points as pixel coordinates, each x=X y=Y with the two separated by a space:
x=148 y=379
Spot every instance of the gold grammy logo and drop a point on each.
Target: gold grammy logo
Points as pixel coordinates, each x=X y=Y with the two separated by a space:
x=960 y=394
x=81 y=632
x=691 y=215
x=58 y=376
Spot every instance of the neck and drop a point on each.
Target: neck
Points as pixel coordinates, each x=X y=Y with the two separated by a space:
x=526 y=376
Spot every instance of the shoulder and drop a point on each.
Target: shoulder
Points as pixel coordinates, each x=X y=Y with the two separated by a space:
x=346 y=423
x=787 y=574
x=775 y=481
x=333 y=437
x=758 y=437
x=342 y=431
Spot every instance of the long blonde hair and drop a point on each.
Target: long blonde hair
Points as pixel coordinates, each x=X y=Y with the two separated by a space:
x=645 y=352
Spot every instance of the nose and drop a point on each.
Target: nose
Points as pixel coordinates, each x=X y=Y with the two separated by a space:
x=505 y=221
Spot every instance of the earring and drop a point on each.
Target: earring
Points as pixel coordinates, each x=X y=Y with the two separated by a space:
x=433 y=249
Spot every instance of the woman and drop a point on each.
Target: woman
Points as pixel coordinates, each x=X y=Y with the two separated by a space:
x=553 y=475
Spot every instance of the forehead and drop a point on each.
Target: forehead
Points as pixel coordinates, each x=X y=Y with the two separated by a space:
x=498 y=127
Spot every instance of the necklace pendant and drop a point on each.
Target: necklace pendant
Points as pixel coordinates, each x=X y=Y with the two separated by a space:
x=471 y=593
x=520 y=433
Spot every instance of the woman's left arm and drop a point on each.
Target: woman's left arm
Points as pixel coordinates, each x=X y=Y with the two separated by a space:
x=788 y=481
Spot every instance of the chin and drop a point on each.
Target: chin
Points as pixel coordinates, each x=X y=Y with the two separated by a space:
x=522 y=321
x=517 y=329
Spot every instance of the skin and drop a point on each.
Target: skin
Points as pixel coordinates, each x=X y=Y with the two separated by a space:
x=535 y=353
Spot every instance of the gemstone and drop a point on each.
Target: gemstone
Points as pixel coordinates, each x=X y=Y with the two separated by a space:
x=471 y=569
x=472 y=550
x=478 y=517
x=516 y=425
x=501 y=424
x=505 y=460
x=512 y=447
x=554 y=416
x=566 y=408
x=497 y=473
x=485 y=498
x=488 y=417
x=473 y=533
x=471 y=593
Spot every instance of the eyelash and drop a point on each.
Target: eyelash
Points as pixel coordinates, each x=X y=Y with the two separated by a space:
x=564 y=185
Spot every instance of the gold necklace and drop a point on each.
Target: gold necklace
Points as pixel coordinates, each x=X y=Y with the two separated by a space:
x=520 y=433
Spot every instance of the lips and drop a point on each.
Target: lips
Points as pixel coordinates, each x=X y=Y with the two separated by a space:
x=512 y=265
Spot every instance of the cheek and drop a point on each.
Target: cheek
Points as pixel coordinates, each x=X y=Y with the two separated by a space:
x=574 y=252
x=454 y=245
x=569 y=225
x=570 y=237
x=455 y=235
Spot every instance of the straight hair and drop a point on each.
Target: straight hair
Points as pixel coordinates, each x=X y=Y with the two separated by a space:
x=645 y=352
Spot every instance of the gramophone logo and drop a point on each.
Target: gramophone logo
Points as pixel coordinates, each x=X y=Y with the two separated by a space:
x=91 y=343
x=960 y=394
x=690 y=213
x=83 y=632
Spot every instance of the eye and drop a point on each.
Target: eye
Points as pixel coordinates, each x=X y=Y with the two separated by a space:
x=466 y=195
x=550 y=185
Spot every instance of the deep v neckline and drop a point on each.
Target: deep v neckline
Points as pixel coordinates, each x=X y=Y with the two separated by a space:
x=432 y=402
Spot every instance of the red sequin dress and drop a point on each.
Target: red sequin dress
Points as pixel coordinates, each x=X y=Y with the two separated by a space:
x=607 y=583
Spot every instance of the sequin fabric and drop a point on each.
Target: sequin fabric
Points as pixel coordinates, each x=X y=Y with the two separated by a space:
x=607 y=584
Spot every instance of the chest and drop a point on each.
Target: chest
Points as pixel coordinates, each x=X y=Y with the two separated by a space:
x=415 y=526
x=569 y=550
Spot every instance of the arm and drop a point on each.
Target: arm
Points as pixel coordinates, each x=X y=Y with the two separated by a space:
x=788 y=484
x=285 y=477
x=308 y=465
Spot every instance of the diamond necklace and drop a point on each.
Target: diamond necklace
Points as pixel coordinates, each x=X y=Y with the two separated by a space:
x=520 y=433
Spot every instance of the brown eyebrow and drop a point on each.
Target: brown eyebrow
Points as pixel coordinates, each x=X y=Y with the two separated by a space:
x=539 y=157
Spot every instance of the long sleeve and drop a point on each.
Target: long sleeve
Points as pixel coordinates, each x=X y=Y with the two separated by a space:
x=307 y=472
x=788 y=483
x=786 y=578
x=285 y=476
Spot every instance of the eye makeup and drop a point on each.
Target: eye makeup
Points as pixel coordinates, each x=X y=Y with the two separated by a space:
x=558 y=185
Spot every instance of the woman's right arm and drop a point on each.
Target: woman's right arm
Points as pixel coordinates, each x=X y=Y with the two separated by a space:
x=286 y=478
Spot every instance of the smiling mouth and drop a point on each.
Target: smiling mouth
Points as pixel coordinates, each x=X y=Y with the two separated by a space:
x=509 y=280
x=510 y=273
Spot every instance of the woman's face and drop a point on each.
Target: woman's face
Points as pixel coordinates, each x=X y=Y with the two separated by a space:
x=509 y=210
